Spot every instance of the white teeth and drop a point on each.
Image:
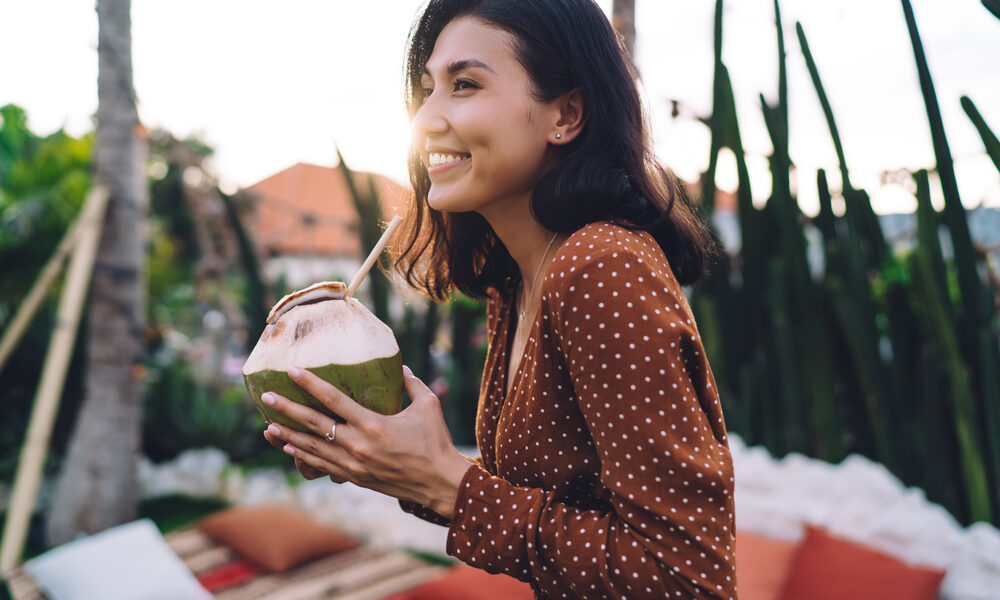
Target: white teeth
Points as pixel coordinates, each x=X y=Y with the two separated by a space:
x=444 y=159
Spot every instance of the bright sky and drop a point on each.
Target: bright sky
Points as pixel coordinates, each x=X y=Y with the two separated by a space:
x=270 y=84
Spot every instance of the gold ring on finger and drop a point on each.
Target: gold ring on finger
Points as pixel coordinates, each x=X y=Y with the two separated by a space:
x=332 y=434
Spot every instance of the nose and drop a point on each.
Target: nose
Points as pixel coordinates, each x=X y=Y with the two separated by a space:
x=429 y=120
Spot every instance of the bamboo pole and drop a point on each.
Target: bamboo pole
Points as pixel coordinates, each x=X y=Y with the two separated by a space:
x=33 y=301
x=43 y=414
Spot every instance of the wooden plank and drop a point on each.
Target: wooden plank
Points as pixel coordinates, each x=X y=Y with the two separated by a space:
x=393 y=583
x=21 y=587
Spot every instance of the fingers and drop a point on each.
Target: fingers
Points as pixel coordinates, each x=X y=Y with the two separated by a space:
x=317 y=464
x=414 y=387
x=313 y=456
x=313 y=420
x=304 y=469
x=307 y=471
x=273 y=439
x=311 y=443
x=337 y=401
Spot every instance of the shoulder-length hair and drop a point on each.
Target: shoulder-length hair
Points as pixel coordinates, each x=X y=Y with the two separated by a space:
x=607 y=173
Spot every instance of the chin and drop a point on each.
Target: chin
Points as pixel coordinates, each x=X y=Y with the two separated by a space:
x=449 y=203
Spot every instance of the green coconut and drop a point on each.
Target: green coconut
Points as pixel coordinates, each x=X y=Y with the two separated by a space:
x=336 y=338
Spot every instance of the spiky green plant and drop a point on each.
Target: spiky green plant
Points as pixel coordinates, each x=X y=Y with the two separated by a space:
x=825 y=362
x=977 y=305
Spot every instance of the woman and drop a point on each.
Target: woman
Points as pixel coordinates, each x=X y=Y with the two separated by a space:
x=605 y=470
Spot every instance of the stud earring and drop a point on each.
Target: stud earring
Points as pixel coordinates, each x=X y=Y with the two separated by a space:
x=558 y=136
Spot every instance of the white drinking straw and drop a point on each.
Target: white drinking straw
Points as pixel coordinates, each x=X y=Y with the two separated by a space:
x=376 y=252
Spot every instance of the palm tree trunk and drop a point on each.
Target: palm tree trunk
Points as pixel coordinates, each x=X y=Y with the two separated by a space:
x=97 y=487
x=623 y=19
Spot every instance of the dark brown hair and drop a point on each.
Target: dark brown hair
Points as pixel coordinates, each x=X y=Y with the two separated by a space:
x=607 y=173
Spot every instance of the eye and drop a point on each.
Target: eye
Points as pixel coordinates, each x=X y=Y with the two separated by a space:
x=464 y=84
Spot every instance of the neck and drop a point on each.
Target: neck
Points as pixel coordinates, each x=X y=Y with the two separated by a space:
x=525 y=238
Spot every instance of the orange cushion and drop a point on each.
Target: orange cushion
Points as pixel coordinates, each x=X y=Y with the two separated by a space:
x=762 y=565
x=275 y=537
x=828 y=568
x=467 y=583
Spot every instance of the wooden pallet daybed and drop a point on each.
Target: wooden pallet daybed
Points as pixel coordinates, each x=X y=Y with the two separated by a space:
x=364 y=573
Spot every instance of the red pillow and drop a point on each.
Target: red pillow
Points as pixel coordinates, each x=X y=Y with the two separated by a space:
x=828 y=568
x=465 y=583
x=275 y=537
x=762 y=565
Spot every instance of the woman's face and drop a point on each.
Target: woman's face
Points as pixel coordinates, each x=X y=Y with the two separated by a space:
x=481 y=134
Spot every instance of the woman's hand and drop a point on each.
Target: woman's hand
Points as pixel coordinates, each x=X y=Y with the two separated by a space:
x=409 y=455
x=305 y=470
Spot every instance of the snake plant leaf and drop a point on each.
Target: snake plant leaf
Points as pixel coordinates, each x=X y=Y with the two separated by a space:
x=826 y=221
x=825 y=103
x=993 y=6
x=989 y=138
x=716 y=123
x=931 y=303
x=860 y=216
x=965 y=256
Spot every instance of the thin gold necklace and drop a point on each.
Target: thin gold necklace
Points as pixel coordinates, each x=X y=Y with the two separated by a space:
x=534 y=280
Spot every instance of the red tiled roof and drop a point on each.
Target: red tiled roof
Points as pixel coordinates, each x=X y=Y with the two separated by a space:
x=307 y=209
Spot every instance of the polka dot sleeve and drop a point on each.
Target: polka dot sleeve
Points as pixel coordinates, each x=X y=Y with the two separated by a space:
x=640 y=381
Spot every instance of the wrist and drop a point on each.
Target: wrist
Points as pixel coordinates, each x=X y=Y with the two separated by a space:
x=452 y=473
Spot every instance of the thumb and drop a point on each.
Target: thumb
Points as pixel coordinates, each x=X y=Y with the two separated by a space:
x=414 y=387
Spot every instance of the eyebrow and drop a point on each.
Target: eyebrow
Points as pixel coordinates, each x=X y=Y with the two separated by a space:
x=461 y=65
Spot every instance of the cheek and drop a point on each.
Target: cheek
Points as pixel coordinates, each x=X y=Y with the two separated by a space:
x=510 y=148
x=516 y=167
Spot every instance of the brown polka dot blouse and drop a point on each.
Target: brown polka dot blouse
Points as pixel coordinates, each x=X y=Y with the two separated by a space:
x=605 y=472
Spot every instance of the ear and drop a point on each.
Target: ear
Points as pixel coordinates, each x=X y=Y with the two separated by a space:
x=571 y=118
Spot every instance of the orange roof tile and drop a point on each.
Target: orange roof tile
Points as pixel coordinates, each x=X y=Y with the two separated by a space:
x=307 y=209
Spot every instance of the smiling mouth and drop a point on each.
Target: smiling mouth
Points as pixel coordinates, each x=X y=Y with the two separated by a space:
x=437 y=159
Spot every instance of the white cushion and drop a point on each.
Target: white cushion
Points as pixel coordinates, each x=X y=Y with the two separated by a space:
x=128 y=562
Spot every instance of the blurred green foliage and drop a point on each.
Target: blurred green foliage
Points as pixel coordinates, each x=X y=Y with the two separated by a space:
x=43 y=182
x=182 y=413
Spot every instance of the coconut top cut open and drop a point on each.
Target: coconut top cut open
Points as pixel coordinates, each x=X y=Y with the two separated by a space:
x=324 y=290
x=317 y=326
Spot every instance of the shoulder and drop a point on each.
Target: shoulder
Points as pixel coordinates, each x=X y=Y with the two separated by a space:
x=603 y=238
x=604 y=251
x=609 y=282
